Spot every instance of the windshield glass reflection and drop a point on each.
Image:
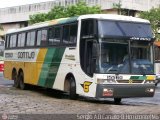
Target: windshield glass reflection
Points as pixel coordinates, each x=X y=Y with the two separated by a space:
x=114 y=58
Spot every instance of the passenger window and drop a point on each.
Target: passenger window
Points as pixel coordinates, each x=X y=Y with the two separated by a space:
x=70 y=34
x=39 y=34
x=30 y=38
x=66 y=34
x=21 y=40
x=57 y=35
x=42 y=38
x=87 y=29
x=50 y=36
x=7 y=41
x=13 y=41
x=73 y=33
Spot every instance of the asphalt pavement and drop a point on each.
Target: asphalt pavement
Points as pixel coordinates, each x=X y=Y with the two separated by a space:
x=5 y=82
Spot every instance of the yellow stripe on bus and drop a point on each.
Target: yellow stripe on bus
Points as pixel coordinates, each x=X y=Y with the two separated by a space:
x=39 y=61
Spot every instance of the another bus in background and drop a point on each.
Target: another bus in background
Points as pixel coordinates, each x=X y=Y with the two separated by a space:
x=1 y=55
x=157 y=61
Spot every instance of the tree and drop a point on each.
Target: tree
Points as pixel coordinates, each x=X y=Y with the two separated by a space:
x=57 y=12
x=40 y=17
x=118 y=7
x=80 y=8
x=154 y=17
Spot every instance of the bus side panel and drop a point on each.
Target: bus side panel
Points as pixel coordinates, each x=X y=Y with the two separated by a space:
x=66 y=66
x=9 y=66
x=30 y=73
x=8 y=70
x=33 y=69
x=50 y=67
x=85 y=85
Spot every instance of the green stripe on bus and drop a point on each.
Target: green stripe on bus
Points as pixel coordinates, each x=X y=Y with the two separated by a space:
x=138 y=77
x=50 y=67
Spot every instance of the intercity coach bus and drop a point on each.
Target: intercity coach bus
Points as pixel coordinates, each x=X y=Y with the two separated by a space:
x=157 y=61
x=2 y=43
x=99 y=56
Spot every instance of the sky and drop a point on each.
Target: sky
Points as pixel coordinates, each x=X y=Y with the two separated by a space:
x=9 y=3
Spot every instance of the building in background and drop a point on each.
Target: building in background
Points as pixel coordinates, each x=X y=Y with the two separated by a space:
x=18 y=16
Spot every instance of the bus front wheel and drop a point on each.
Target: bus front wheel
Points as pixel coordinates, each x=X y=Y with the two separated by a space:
x=117 y=100
x=72 y=89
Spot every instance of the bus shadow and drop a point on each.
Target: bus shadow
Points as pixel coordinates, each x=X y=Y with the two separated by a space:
x=63 y=95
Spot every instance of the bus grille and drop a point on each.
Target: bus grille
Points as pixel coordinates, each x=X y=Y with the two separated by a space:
x=130 y=81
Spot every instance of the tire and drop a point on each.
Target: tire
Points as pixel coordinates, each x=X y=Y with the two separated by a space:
x=72 y=89
x=117 y=100
x=16 y=81
x=22 y=85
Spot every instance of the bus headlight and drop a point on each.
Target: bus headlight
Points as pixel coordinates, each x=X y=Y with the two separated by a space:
x=150 y=90
x=104 y=81
x=150 y=81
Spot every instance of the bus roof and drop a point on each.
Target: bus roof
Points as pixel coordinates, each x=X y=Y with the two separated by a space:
x=44 y=24
x=72 y=19
x=114 y=17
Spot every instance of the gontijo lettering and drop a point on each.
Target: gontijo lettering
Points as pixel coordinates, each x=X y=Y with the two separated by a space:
x=29 y=55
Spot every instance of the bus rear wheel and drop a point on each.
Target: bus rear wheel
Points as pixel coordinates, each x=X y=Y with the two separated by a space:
x=22 y=85
x=14 y=77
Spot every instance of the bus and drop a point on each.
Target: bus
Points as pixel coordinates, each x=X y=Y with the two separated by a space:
x=1 y=55
x=157 y=61
x=97 y=56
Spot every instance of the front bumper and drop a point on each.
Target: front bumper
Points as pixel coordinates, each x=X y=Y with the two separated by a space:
x=124 y=90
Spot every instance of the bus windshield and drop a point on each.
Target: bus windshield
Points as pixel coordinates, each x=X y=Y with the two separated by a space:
x=124 y=29
x=115 y=57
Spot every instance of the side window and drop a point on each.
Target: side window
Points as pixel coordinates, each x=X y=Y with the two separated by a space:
x=157 y=53
x=70 y=34
x=57 y=35
x=21 y=39
x=7 y=41
x=31 y=38
x=73 y=33
x=39 y=34
x=42 y=38
x=87 y=28
x=66 y=34
x=54 y=36
x=13 y=41
x=50 y=36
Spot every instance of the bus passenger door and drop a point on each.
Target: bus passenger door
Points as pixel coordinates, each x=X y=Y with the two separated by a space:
x=90 y=55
